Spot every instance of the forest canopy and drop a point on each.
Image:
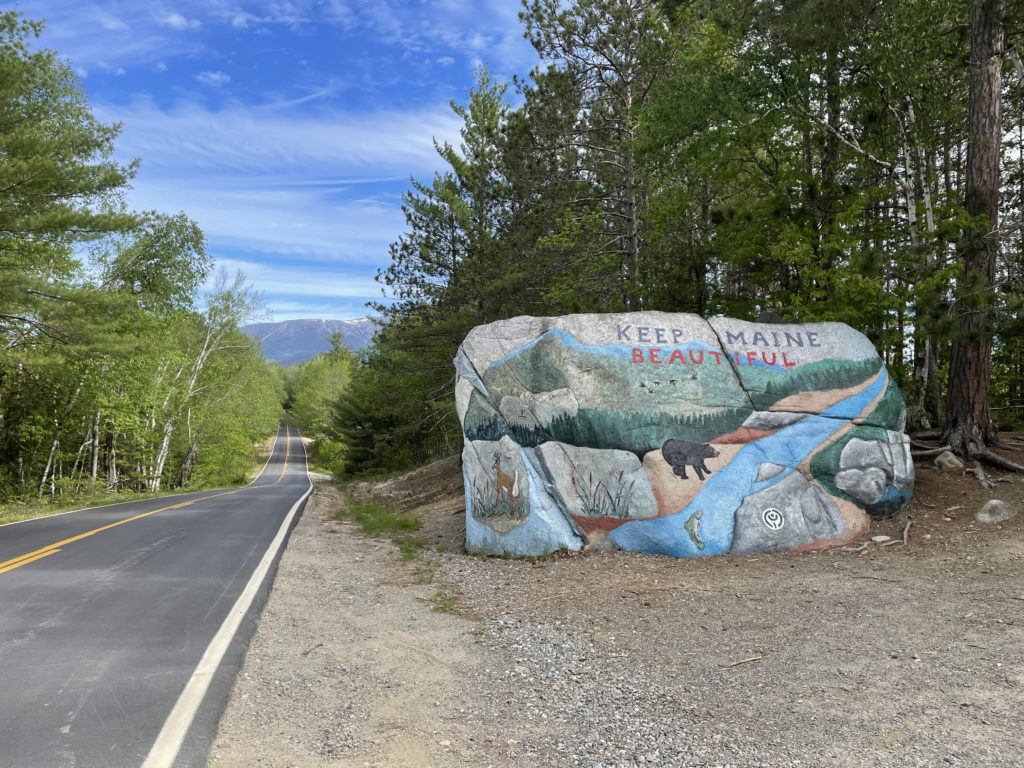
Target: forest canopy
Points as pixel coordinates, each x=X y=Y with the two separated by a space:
x=114 y=375
x=816 y=159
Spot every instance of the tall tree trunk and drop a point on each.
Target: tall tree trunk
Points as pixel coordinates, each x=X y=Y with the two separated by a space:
x=95 y=447
x=49 y=465
x=925 y=364
x=969 y=427
x=188 y=465
x=113 y=479
x=58 y=425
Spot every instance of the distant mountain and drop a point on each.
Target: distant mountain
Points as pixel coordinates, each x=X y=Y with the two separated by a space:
x=296 y=341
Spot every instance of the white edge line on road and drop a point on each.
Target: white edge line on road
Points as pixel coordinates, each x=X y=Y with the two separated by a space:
x=167 y=745
x=117 y=503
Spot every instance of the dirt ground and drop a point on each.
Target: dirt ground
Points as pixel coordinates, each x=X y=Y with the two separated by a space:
x=876 y=654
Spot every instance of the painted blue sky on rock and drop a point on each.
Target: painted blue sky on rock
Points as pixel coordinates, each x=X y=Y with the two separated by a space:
x=287 y=130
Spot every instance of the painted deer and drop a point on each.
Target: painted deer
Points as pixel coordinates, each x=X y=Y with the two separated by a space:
x=507 y=483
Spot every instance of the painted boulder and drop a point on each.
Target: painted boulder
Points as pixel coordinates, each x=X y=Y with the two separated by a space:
x=671 y=434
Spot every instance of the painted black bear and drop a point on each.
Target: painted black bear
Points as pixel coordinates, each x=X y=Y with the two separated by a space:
x=679 y=453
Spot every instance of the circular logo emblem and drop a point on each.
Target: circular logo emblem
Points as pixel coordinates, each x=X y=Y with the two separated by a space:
x=773 y=519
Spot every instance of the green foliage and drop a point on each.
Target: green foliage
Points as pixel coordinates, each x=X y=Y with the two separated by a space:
x=376 y=520
x=57 y=186
x=445 y=602
x=162 y=263
x=327 y=455
x=112 y=380
x=316 y=385
x=398 y=410
x=719 y=157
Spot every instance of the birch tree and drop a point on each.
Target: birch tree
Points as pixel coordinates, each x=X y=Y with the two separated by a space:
x=207 y=335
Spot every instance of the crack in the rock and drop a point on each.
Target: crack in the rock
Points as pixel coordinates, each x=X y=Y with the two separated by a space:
x=735 y=368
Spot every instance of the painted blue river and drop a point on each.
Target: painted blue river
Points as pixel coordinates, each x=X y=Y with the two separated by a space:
x=725 y=489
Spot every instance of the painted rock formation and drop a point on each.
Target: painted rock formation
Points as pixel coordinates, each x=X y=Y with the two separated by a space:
x=671 y=434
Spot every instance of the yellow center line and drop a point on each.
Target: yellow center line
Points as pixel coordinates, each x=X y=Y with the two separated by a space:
x=31 y=557
x=23 y=561
x=287 y=453
x=17 y=562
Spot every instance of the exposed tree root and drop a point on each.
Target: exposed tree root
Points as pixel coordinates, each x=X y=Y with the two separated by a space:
x=996 y=461
x=973 y=444
x=979 y=473
x=923 y=454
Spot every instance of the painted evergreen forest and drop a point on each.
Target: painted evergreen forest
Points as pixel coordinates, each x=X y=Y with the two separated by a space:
x=858 y=160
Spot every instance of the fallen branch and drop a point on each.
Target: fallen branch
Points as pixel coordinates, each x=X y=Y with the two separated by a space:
x=906 y=536
x=877 y=578
x=742 y=661
x=310 y=650
x=854 y=549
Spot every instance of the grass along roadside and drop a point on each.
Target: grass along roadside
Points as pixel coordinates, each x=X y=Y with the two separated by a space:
x=17 y=511
x=399 y=527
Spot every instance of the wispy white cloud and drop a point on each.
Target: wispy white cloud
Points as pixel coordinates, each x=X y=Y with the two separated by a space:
x=177 y=21
x=93 y=38
x=304 y=280
x=488 y=29
x=112 y=23
x=280 y=144
x=242 y=19
x=290 y=222
x=213 y=78
x=302 y=189
x=325 y=186
x=331 y=309
x=302 y=290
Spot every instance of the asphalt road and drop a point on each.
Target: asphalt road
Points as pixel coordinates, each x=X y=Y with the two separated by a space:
x=122 y=627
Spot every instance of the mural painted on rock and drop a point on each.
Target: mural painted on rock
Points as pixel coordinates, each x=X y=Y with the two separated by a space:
x=670 y=434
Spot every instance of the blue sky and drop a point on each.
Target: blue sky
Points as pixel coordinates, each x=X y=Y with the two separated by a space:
x=287 y=129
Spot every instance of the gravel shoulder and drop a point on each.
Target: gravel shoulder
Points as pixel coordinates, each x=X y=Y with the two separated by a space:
x=863 y=656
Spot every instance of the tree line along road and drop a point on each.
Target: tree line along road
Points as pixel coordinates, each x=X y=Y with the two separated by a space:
x=122 y=627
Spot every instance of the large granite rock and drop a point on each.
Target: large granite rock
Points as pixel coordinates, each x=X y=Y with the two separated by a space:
x=672 y=434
